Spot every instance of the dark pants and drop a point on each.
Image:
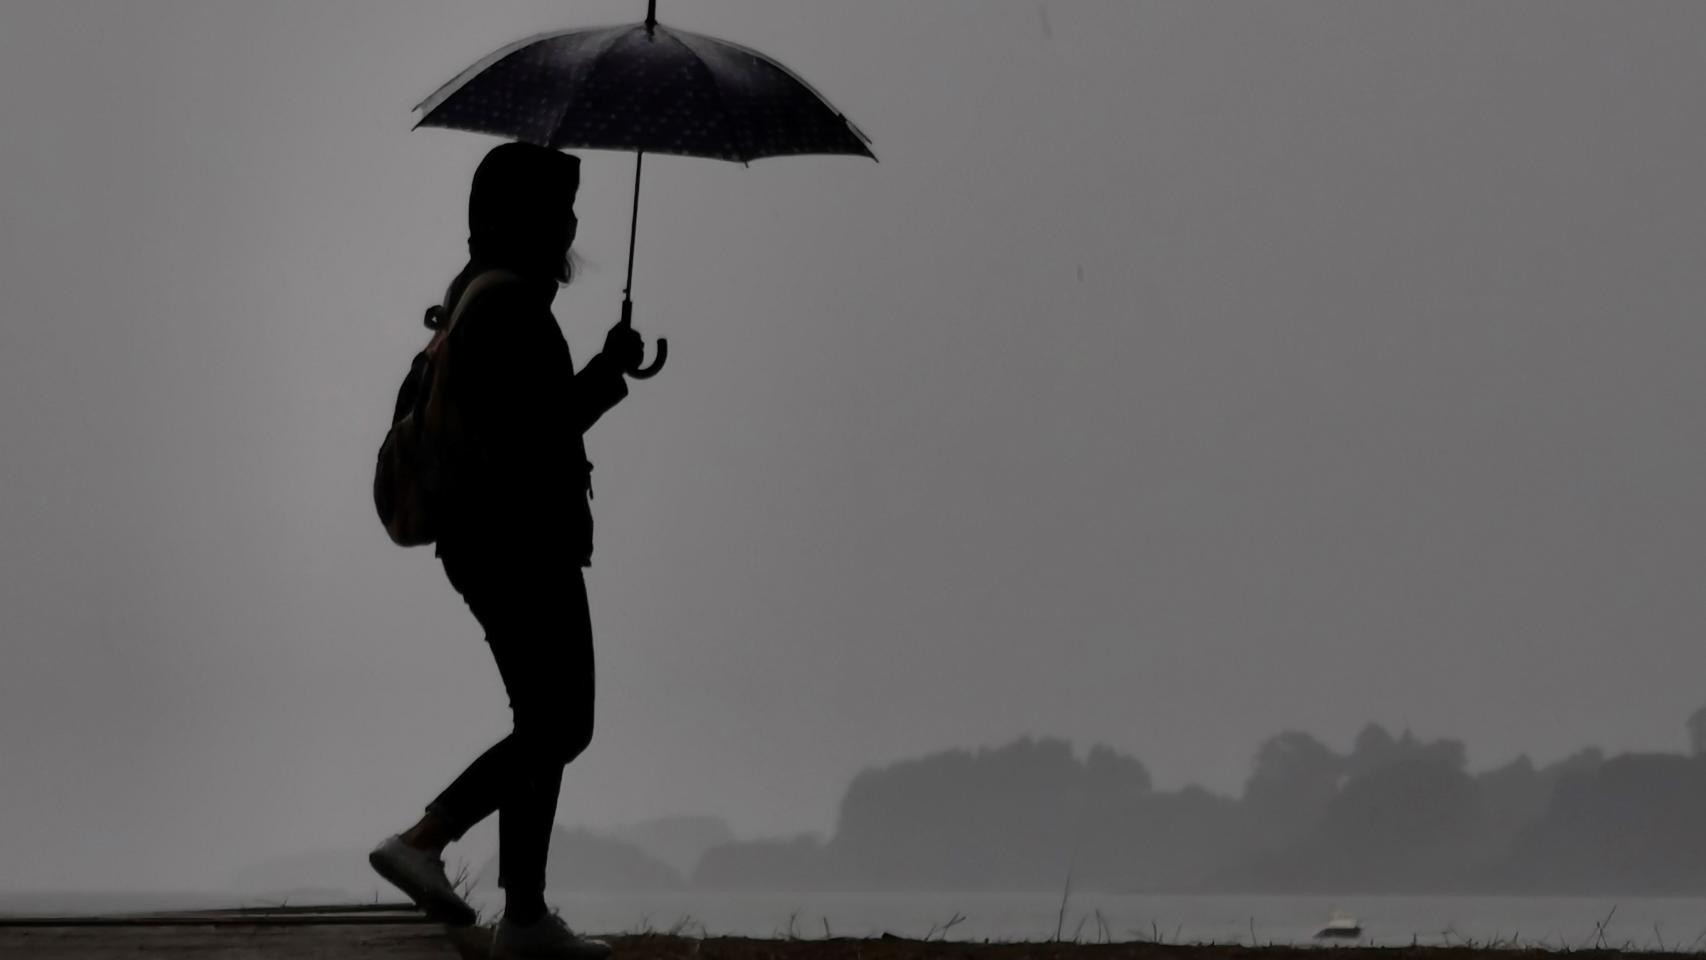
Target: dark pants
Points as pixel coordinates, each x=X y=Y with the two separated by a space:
x=540 y=633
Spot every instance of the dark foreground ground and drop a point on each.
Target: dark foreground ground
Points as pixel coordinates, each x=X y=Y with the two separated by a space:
x=400 y=934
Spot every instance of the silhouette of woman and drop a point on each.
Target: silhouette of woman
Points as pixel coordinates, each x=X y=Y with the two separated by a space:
x=516 y=533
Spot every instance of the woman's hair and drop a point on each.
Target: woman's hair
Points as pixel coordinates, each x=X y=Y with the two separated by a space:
x=573 y=264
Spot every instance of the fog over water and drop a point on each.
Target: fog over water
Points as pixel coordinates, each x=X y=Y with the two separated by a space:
x=1182 y=374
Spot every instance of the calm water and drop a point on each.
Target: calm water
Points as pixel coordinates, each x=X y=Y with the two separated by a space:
x=1676 y=923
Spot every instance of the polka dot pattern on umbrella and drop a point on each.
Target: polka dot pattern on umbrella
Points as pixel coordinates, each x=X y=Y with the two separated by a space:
x=657 y=91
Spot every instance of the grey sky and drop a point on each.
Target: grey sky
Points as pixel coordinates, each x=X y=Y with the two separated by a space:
x=1184 y=372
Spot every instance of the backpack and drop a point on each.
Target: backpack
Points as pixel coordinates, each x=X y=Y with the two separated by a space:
x=419 y=451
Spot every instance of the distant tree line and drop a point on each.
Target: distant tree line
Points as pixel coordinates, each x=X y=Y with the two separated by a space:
x=1394 y=814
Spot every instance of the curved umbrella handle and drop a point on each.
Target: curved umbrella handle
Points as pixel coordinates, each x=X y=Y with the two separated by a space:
x=643 y=372
x=651 y=370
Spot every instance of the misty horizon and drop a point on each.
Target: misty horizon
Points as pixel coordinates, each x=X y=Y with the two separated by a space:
x=611 y=868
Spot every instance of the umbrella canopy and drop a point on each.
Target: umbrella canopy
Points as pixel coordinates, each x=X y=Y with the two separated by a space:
x=647 y=88
x=643 y=87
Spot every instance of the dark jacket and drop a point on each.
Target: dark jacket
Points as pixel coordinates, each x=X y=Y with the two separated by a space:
x=521 y=489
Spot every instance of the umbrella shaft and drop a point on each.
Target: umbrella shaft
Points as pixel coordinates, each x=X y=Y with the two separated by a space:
x=633 y=225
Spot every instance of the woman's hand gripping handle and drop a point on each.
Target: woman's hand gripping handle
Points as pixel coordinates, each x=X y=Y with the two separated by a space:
x=626 y=347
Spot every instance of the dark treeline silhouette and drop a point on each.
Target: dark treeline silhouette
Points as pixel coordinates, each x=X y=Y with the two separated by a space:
x=1394 y=814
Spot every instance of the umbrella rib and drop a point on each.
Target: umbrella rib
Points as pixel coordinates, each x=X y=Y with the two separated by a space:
x=743 y=151
x=455 y=83
x=446 y=90
x=569 y=104
x=802 y=82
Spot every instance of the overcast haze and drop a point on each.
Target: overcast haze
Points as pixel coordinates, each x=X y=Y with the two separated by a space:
x=1183 y=373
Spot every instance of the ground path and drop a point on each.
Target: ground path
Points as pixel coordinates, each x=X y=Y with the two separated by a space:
x=398 y=932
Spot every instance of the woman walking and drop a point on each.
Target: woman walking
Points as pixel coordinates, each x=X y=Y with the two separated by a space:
x=515 y=533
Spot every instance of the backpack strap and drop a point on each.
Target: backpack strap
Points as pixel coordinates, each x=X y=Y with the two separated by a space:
x=485 y=281
x=435 y=412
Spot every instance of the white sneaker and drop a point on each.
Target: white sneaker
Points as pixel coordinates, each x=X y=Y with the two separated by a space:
x=548 y=938
x=420 y=875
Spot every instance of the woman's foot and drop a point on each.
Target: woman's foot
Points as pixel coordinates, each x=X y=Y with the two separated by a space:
x=420 y=875
x=547 y=938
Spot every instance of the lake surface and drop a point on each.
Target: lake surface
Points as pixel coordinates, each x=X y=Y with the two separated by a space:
x=1675 y=923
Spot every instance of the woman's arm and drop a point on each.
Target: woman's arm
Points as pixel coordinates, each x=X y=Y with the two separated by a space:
x=599 y=386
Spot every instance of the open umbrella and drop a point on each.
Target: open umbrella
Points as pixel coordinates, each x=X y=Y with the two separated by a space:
x=647 y=88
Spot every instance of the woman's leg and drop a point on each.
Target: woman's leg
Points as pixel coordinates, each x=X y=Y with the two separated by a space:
x=525 y=819
x=540 y=633
x=473 y=796
x=475 y=793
